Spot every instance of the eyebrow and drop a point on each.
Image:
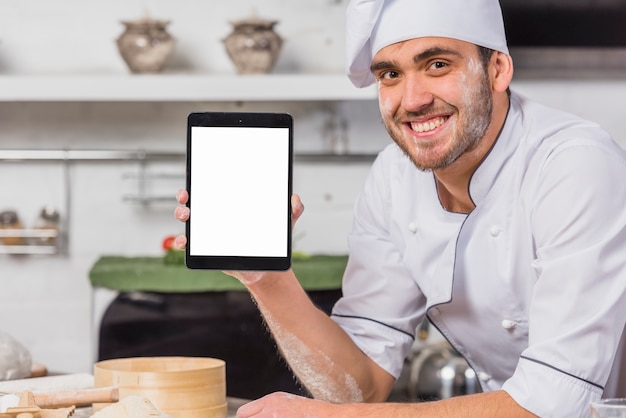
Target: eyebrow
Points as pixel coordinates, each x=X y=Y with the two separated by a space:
x=435 y=51
x=422 y=56
x=381 y=65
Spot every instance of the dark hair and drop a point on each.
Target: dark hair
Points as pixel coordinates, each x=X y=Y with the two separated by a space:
x=485 y=55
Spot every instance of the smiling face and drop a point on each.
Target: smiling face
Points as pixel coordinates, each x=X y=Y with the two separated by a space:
x=435 y=99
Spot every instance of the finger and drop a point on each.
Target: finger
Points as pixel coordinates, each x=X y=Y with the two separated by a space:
x=250 y=409
x=297 y=207
x=182 y=196
x=181 y=213
x=180 y=242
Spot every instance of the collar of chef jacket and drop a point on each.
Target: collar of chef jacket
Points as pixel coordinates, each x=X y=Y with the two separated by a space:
x=482 y=184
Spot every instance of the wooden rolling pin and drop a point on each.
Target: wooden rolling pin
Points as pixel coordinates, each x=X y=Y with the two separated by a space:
x=79 y=397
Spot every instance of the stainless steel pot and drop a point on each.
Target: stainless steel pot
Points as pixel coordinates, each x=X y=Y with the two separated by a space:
x=437 y=371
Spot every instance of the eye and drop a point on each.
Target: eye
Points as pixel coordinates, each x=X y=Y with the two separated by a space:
x=438 y=65
x=388 y=75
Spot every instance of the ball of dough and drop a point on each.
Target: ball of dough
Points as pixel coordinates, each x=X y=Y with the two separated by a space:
x=15 y=360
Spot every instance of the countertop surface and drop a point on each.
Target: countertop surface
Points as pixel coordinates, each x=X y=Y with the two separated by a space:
x=233 y=405
x=70 y=382
x=153 y=274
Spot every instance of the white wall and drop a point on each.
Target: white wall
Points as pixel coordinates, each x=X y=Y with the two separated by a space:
x=52 y=318
x=45 y=302
x=78 y=35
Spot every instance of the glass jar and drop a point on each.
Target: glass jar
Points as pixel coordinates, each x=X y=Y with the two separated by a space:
x=10 y=223
x=48 y=221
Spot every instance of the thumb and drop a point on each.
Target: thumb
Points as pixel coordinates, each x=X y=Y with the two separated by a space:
x=296 y=209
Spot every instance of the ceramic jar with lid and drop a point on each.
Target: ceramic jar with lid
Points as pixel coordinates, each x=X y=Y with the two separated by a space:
x=253 y=45
x=145 y=45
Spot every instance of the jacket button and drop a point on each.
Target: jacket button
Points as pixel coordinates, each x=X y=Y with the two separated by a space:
x=412 y=227
x=494 y=231
x=508 y=324
x=484 y=377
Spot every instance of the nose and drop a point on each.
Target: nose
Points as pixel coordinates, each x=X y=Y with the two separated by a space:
x=416 y=95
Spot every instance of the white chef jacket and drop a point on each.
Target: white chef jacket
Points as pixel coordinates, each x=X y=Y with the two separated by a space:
x=530 y=287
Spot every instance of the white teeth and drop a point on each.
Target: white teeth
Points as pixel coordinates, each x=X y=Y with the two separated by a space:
x=427 y=126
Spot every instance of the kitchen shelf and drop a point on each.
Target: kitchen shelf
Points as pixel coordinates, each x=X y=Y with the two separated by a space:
x=141 y=197
x=139 y=155
x=85 y=155
x=59 y=237
x=29 y=249
x=179 y=87
x=28 y=233
x=143 y=177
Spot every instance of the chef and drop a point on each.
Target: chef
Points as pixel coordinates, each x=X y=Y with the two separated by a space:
x=500 y=220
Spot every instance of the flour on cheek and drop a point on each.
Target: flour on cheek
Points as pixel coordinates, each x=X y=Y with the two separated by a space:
x=385 y=104
x=475 y=69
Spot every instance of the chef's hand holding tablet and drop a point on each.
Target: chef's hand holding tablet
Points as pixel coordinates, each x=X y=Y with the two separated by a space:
x=238 y=206
x=182 y=214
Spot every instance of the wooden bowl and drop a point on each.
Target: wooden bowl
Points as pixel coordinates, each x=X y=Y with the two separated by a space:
x=182 y=387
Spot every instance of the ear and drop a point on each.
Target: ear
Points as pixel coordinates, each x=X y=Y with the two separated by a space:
x=501 y=71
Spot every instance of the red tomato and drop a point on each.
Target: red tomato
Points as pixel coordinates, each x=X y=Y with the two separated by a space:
x=168 y=242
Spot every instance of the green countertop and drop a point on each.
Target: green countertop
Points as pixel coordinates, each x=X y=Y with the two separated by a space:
x=152 y=274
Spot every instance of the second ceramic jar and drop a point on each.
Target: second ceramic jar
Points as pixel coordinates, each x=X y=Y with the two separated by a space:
x=253 y=45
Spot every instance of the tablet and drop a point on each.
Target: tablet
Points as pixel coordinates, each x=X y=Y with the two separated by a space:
x=239 y=179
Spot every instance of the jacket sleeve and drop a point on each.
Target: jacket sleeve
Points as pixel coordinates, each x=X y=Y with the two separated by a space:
x=578 y=307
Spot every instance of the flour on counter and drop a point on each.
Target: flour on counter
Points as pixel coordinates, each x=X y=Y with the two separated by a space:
x=131 y=407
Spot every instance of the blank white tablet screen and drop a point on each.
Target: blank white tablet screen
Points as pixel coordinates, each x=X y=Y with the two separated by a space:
x=239 y=191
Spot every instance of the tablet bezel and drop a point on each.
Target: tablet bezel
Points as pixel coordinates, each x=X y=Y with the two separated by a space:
x=239 y=119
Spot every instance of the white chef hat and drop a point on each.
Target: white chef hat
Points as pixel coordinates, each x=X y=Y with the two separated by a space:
x=375 y=24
